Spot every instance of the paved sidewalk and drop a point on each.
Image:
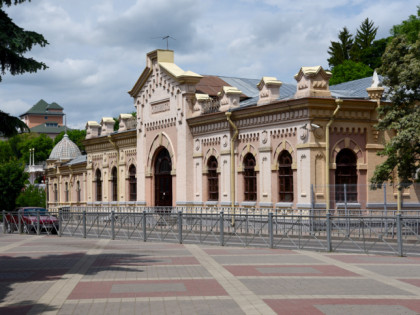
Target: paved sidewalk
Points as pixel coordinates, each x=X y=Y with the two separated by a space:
x=52 y=275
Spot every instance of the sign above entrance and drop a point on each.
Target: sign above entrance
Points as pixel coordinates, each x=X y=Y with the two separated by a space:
x=160 y=106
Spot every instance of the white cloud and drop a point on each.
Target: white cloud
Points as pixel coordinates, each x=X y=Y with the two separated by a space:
x=97 y=48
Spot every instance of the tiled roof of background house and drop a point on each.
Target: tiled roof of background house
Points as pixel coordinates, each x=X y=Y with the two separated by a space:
x=42 y=107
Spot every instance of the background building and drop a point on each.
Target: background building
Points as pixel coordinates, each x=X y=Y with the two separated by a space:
x=45 y=118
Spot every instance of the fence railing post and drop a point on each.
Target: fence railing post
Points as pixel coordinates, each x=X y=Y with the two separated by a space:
x=385 y=202
x=399 y=235
x=4 y=222
x=60 y=223
x=222 y=229
x=180 y=226
x=84 y=223
x=38 y=223
x=20 y=223
x=328 y=226
x=270 y=229
x=113 y=225
x=144 y=223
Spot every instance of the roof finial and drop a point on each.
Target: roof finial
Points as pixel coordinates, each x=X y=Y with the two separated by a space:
x=375 y=80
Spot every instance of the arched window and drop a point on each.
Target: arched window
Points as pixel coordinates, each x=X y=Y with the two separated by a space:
x=78 y=191
x=98 y=185
x=346 y=173
x=132 y=182
x=250 y=178
x=213 y=180
x=114 y=184
x=285 y=177
x=66 y=192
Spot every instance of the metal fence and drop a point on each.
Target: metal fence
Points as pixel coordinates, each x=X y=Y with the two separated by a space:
x=397 y=235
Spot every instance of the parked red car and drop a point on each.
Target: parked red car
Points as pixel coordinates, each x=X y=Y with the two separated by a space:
x=29 y=220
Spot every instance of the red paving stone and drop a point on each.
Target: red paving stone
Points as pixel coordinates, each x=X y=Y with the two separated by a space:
x=308 y=306
x=247 y=252
x=103 y=289
x=323 y=271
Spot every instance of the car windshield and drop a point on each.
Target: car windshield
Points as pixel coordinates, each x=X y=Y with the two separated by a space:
x=34 y=211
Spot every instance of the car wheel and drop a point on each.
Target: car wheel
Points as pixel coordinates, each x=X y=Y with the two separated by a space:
x=9 y=228
x=26 y=229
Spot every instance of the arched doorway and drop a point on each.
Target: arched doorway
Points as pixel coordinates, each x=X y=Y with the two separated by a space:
x=163 y=179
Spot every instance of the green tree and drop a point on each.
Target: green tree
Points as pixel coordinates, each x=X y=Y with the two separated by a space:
x=40 y=142
x=340 y=51
x=21 y=143
x=410 y=27
x=6 y=153
x=10 y=125
x=401 y=71
x=348 y=71
x=15 y=42
x=31 y=196
x=362 y=50
x=75 y=135
x=12 y=180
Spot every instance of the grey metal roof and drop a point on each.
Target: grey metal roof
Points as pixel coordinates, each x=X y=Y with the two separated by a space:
x=353 y=89
x=65 y=150
x=80 y=159
x=247 y=86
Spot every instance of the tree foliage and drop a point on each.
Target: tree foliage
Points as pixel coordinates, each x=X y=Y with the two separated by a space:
x=31 y=196
x=20 y=145
x=12 y=180
x=10 y=125
x=348 y=71
x=401 y=71
x=75 y=135
x=363 y=50
x=410 y=27
x=340 y=51
x=15 y=42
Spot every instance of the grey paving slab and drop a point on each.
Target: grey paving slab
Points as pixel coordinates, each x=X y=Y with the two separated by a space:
x=365 y=309
x=327 y=286
x=394 y=270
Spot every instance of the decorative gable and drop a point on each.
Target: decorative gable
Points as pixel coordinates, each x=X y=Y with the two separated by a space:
x=312 y=82
x=107 y=126
x=92 y=129
x=229 y=98
x=269 y=88
x=127 y=122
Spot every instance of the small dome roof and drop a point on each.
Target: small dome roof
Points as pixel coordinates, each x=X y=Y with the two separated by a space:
x=65 y=150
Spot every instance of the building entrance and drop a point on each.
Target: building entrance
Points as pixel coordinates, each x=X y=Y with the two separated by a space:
x=163 y=179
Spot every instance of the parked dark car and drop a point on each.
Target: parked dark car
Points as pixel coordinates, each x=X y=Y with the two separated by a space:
x=29 y=220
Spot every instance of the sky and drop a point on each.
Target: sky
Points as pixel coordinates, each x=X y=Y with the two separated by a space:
x=97 y=48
